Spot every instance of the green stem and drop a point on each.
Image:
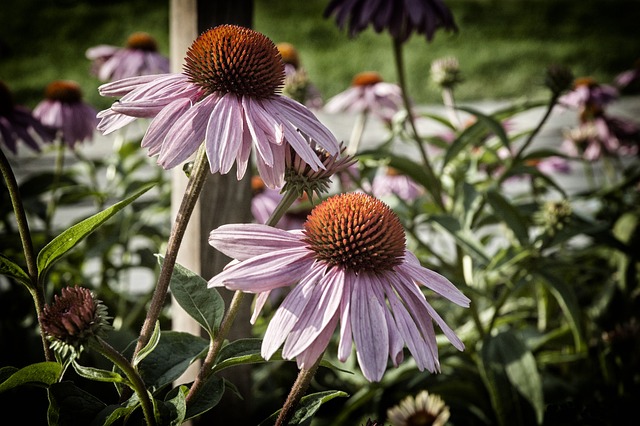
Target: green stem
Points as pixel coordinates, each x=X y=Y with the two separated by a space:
x=36 y=290
x=450 y=105
x=298 y=390
x=136 y=381
x=189 y=200
x=216 y=344
x=434 y=183
x=57 y=173
x=534 y=133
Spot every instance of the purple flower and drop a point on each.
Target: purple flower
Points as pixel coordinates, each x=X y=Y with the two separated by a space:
x=589 y=98
x=603 y=136
x=229 y=97
x=139 y=57
x=349 y=269
x=63 y=109
x=18 y=124
x=400 y=17
x=368 y=94
x=391 y=182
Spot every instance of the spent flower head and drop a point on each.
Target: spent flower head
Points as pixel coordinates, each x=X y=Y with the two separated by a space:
x=227 y=96
x=400 y=17
x=349 y=269
x=558 y=79
x=17 y=123
x=445 y=72
x=140 y=56
x=64 y=110
x=75 y=317
x=423 y=410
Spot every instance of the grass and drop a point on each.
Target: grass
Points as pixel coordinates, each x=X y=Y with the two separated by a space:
x=503 y=46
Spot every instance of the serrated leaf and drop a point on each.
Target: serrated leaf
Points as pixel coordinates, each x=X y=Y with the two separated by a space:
x=150 y=346
x=506 y=364
x=13 y=270
x=98 y=374
x=68 y=239
x=308 y=407
x=203 y=304
x=69 y=405
x=510 y=215
x=41 y=374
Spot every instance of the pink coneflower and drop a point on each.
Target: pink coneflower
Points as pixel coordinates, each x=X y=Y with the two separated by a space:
x=139 y=57
x=393 y=183
x=229 y=97
x=368 y=94
x=603 y=136
x=17 y=123
x=64 y=110
x=348 y=266
x=589 y=97
x=400 y=17
x=629 y=80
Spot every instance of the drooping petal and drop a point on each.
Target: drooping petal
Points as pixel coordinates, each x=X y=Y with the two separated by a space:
x=346 y=336
x=370 y=331
x=224 y=133
x=310 y=355
x=159 y=127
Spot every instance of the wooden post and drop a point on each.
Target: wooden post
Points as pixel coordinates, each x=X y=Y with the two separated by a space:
x=224 y=199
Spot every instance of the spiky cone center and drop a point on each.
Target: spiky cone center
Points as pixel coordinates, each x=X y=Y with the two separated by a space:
x=142 y=41
x=6 y=100
x=65 y=91
x=234 y=59
x=366 y=78
x=289 y=54
x=74 y=317
x=356 y=232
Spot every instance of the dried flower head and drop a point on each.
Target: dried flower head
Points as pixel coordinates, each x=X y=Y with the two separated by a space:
x=558 y=79
x=445 y=72
x=74 y=317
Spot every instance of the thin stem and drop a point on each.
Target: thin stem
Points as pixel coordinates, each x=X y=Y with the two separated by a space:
x=298 y=390
x=434 y=183
x=37 y=291
x=450 y=105
x=57 y=173
x=356 y=133
x=534 y=133
x=136 y=381
x=216 y=344
x=192 y=192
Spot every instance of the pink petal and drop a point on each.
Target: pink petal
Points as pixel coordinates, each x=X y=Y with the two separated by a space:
x=224 y=133
x=246 y=240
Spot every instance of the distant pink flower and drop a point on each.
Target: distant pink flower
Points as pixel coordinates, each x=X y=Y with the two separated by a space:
x=229 y=97
x=603 y=136
x=400 y=17
x=368 y=94
x=629 y=80
x=17 y=123
x=264 y=202
x=392 y=182
x=64 y=110
x=296 y=82
x=139 y=57
x=349 y=269
x=589 y=97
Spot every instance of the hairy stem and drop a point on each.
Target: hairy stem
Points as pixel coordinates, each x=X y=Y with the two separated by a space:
x=36 y=290
x=298 y=390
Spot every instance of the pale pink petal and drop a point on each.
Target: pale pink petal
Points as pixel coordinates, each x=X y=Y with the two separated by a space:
x=370 y=331
x=325 y=301
x=253 y=111
x=246 y=240
x=261 y=299
x=162 y=123
x=224 y=133
x=265 y=272
x=346 y=336
x=436 y=282
x=288 y=314
x=317 y=347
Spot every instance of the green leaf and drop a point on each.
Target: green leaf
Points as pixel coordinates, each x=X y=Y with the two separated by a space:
x=70 y=405
x=242 y=351
x=72 y=236
x=174 y=408
x=506 y=364
x=172 y=356
x=568 y=301
x=150 y=346
x=308 y=407
x=40 y=374
x=205 y=305
x=490 y=122
x=99 y=375
x=209 y=396
x=13 y=270
x=463 y=237
x=510 y=215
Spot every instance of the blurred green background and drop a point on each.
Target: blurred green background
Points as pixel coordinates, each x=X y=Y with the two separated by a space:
x=503 y=46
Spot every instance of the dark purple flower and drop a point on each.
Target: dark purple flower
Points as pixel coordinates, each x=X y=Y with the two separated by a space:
x=64 y=110
x=18 y=124
x=400 y=17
